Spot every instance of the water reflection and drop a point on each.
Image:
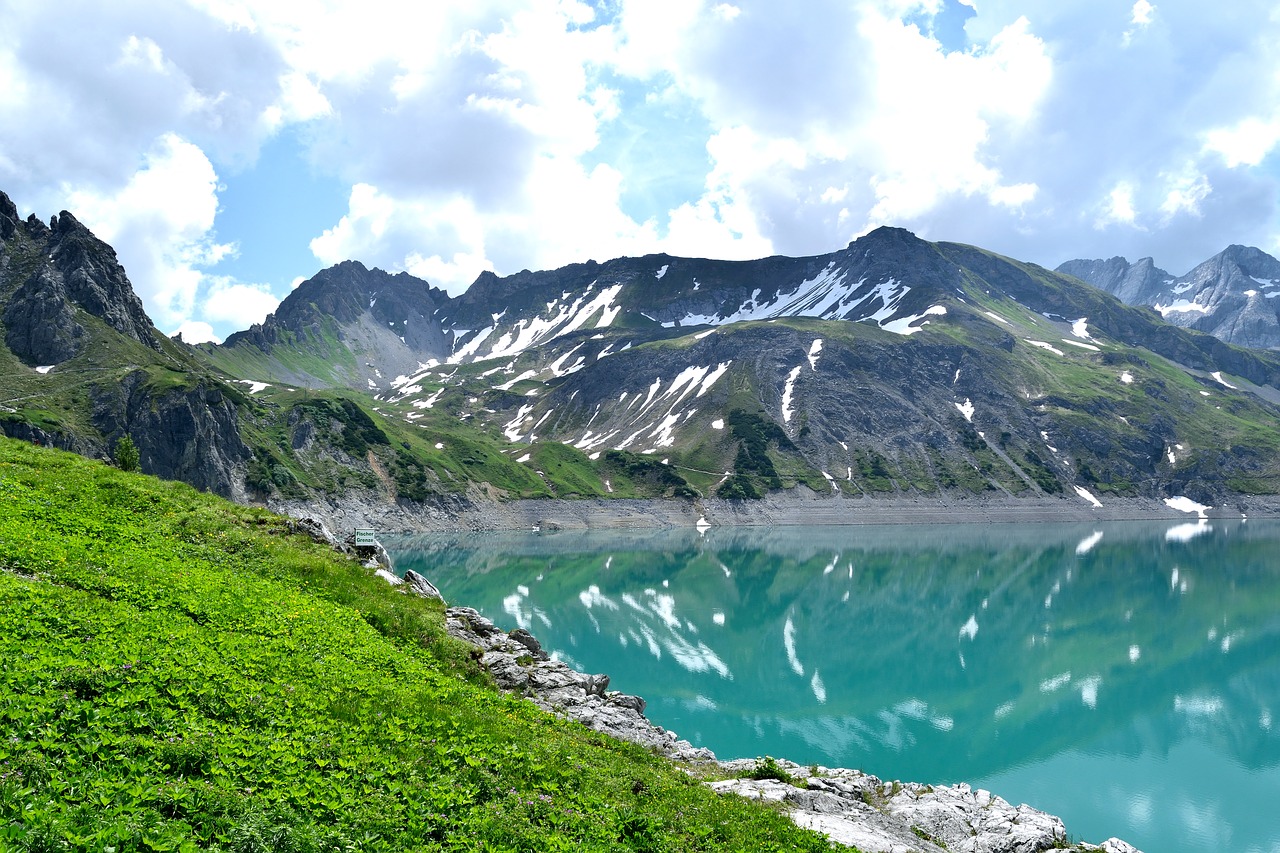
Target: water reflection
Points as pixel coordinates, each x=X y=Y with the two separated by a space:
x=1018 y=657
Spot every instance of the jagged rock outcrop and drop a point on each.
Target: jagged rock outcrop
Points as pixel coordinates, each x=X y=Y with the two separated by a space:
x=1134 y=284
x=9 y=221
x=188 y=434
x=857 y=809
x=419 y=585
x=58 y=271
x=518 y=664
x=1234 y=296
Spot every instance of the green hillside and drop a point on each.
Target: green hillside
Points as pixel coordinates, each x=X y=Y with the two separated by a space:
x=181 y=673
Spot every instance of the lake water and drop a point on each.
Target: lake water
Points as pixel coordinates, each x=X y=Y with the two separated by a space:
x=1125 y=677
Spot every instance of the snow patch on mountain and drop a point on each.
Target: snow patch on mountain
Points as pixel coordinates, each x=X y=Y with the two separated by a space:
x=1045 y=346
x=1217 y=376
x=1181 y=306
x=660 y=396
x=787 y=392
x=906 y=325
x=562 y=317
x=814 y=349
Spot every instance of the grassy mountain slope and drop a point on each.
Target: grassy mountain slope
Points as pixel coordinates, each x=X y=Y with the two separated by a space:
x=180 y=673
x=81 y=366
x=991 y=396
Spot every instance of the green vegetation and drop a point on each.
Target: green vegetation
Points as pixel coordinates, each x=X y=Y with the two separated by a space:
x=634 y=475
x=753 y=470
x=181 y=673
x=126 y=454
x=768 y=768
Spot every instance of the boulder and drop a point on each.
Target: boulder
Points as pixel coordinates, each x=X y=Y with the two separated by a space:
x=419 y=585
x=530 y=642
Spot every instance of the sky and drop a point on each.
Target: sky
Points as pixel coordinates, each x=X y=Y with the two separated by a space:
x=230 y=149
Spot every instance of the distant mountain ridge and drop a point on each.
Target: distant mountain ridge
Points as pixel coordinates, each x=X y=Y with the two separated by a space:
x=346 y=325
x=893 y=367
x=1234 y=296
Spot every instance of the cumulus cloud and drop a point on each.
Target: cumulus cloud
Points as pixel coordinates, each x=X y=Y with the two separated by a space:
x=1118 y=206
x=1246 y=143
x=1141 y=17
x=197 y=332
x=160 y=222
x=241 y=305
x=499 y=135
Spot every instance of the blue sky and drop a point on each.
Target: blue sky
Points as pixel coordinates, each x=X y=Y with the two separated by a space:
x=229 y=149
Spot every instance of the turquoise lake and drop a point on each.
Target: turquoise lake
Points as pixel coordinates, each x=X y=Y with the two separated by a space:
x=1124 y=677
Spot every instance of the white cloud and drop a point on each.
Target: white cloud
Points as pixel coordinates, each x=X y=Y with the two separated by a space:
x=934 y=114
x=1142 y=13
x=1245 y=143
x=726 y=11
x=1185 y=194
x=1141 y=17
x=241 y=305
x=196 y=332
x=1118 y=207
x=160 y=223
x=502 y=135
x=395 y=233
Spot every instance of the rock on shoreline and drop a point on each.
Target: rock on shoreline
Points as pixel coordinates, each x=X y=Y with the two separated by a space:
x=519 y=665
x=849 y=807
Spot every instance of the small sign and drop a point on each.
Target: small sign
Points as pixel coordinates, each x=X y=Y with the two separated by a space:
x=365 y=537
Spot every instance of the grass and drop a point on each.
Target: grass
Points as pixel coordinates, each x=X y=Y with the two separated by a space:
x=181 y=673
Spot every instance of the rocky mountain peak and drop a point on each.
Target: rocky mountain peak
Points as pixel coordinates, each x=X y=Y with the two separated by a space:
x=369 y=324
x=1135 y=283
x=1250 y=261
x=65 y=269
x=1235 y=295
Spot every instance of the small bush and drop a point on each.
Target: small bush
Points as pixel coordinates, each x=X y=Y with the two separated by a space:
x=126 y=454
x=767 y=768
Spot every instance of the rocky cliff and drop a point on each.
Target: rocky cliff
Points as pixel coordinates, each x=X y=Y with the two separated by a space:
x=85 y=365
x=53 y=274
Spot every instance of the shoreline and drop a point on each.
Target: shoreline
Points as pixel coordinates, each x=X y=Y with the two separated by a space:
x=799 y=506
x=850 y=807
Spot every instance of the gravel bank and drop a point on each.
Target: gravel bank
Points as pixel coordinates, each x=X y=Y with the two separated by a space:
x=795 y=507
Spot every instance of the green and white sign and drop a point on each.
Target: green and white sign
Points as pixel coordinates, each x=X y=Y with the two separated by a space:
x=365 y=537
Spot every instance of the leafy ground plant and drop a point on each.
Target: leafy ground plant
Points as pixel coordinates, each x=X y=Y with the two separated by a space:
x=181 y=673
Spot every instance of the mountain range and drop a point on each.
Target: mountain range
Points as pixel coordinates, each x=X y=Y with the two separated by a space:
x=1234 y=296
x=892 y=367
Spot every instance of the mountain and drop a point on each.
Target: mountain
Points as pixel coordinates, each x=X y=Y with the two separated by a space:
x=83 y=365
x=347 y=326
x=894 y=367
x=1234 y=296
x=52 y=273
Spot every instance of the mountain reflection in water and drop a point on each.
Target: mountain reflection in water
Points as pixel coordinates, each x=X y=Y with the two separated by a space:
x=1103 y=673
